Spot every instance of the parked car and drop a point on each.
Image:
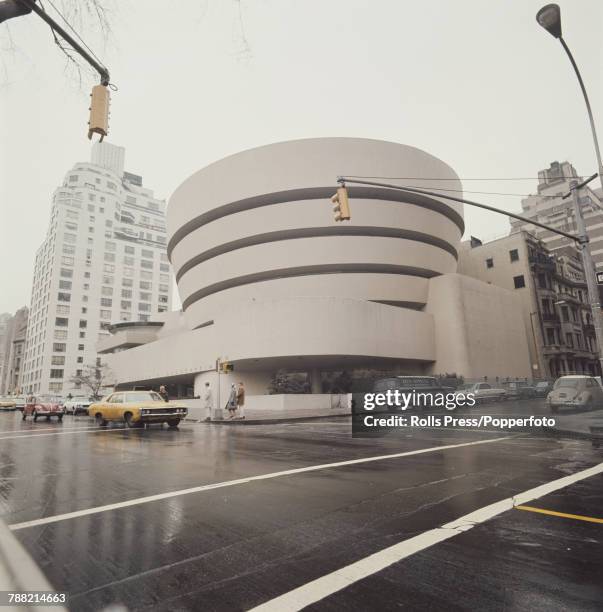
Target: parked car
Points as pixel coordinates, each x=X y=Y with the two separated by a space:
x=575 y=392
x=7 y=403
x=483 y=392
x=78 y=404
x=43 y=405
x=135 y=408
x=543 y=388
x=519 y=389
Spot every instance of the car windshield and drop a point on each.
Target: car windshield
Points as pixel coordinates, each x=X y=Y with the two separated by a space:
x=572 y=383
x=146 y=396
x=49 y=399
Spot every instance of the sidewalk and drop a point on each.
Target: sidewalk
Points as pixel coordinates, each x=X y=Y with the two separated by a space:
x=578 y=425
x=254 y=416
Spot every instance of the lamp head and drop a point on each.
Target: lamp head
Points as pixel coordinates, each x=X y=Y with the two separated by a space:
x=549 y=17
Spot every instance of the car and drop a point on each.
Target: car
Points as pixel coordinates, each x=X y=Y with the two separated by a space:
x=135 y=408
x=575 y=392
x=19 y=401
x=483 y=391
x=519 y=389
x=77 y=404
x=8 y=403
x=543 y=388
x=43 y=405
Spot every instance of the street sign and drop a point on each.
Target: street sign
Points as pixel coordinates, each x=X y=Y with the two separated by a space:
x=599 y=278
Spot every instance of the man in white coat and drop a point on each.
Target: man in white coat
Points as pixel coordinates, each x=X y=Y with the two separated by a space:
x=208 y=401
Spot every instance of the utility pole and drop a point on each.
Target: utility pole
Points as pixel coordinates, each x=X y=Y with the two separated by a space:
x=587 y=263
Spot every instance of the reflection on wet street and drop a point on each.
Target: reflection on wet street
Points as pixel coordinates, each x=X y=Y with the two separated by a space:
x=212 y=517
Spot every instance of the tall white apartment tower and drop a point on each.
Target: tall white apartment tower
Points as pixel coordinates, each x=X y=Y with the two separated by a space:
x=103 y=260
x=549 y=207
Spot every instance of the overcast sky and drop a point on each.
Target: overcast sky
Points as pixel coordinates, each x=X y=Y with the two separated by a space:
x=478 y=84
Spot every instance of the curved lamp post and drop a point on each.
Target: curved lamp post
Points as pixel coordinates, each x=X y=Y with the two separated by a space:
x=549 y=17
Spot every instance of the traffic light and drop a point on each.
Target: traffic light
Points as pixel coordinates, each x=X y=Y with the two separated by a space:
x=341 y=205
x=226 y=367
x=99 y=112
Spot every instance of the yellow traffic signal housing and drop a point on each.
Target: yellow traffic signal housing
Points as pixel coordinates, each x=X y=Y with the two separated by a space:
x=227 y=366
x=99 y=112
x=341 y=205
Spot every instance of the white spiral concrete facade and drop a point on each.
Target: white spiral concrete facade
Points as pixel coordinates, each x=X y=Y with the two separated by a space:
x=269 y=280
x=259 y=225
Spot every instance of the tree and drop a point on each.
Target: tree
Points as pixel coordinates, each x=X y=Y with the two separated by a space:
x=93 y=378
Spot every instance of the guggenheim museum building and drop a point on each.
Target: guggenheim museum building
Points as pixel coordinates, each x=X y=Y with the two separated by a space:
x=269 y=281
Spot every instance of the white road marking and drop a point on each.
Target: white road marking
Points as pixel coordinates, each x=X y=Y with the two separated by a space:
x=36 y=429
x=64 y=433
x=324 y=586
x=239 y=481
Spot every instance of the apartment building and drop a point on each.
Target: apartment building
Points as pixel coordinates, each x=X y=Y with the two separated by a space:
x=548 y=206
x=12 y=346
x=103 y=261
x=556 y=314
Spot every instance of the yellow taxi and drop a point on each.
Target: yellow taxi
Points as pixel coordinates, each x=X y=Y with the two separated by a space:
x=7 y=403
x=135 y=408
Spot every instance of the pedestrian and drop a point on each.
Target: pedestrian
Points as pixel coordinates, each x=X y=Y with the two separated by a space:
x=164 y=394
x=208 y=401
x=241 y=400
x=231 y=404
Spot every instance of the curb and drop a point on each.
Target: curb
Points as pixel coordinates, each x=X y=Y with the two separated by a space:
x=270 y=421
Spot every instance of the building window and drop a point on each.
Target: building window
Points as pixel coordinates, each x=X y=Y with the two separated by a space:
x=144 y=307
x=164 y=267
x=55 y=387
x=82 y=334
x=83 y=323
x=126 y=305
x=109 y=268
x=107 y=291
x=130 y=250
x=147 y=264
x=80 y=347
x=126 y=293
x=105 y=314
x=542 y=280
x=60 y=334
x=59 y=347
x=146 y=253
x=80 y=360
x=109 y=256
x=145 y=285
x=145 y=297
x=66 y=273
x=489 y=262
x=564 y=314
x=106 y=302
x=56 y=373
x=108 y=280
x=68 y=249
x=61 y=322
x=127 y=282
x=514 y=255
x=569 y=339
x=57 y=360
x=62 y=309
x=64 y=297
x=519 y=281
x=128 y=260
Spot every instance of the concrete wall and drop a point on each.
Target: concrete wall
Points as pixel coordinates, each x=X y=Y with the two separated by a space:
x=478 y=328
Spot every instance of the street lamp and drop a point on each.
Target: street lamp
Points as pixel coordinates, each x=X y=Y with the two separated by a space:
x=549 y=17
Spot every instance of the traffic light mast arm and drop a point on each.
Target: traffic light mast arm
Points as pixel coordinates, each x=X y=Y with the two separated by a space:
x=578 y=239
x=103 y=72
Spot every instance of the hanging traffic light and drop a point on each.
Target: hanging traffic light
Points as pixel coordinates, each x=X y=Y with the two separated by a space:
x=99 y=112
x=341 y=205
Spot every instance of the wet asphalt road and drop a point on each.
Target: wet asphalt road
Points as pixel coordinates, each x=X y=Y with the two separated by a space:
x=238 y=546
